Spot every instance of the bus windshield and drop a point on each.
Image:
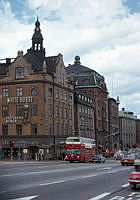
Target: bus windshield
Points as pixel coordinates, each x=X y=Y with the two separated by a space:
x=73 y=151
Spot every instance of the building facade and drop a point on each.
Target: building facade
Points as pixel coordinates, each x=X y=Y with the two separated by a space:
x=88 y=80
x=127 y=127
x=84 y=115
x=112 y=139
x=37 y=103
x=138 y=133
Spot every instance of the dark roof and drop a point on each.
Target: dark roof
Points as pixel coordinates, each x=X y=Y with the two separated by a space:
x=51 y=63
x=3 y=68
x=85 y=77
x=76 y=68
x=34 y=60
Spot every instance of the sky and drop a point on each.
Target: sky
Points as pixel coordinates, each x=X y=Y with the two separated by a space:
x=104 y=33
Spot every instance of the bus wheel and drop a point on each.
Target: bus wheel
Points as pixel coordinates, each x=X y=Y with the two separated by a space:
x=133 y=186
x=71 y=161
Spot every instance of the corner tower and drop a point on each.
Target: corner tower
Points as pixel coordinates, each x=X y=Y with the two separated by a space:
x=37 y=42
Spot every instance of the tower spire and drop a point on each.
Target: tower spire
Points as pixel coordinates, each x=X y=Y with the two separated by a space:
x=37 y=40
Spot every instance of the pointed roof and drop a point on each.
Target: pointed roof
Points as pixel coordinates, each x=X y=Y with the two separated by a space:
x=37 y=31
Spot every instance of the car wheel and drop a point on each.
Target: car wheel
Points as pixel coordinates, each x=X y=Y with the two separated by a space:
x=122 y=164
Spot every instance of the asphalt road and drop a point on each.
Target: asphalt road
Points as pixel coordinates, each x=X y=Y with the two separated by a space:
x=60 y=180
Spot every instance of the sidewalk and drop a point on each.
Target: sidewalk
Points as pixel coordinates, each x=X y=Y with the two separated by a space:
x=31 y=161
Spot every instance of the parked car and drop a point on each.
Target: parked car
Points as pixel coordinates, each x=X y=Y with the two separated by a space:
x=128 y=160
x=134 y=177
x=98 y=158
x=118 y=156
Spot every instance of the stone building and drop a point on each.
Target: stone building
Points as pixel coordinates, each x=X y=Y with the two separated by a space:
x=37 y=103
x=138 y=132
x=84 y=115
x=88 y=80
x=112 y=139
x=127 y=127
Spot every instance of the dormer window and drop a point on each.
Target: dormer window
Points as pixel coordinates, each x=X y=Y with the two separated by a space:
x=19 y=73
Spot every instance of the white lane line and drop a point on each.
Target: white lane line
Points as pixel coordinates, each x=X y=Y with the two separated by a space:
x=54 y=182
x=26 y=198
x=125 y=185
x=24 y=173
x=2 y=192
x=104 y=168
x=88 y=176
x=100 y=196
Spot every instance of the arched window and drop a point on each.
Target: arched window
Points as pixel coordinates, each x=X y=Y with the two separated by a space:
x=35 y=46
x=39 y=47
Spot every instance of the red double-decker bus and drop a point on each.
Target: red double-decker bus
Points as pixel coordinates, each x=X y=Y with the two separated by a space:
x=79 y=149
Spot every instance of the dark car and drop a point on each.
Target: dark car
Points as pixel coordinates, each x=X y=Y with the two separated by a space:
x=128 y=160
x=98 y=158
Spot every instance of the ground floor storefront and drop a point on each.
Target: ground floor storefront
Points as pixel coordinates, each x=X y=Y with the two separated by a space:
x=27 y=148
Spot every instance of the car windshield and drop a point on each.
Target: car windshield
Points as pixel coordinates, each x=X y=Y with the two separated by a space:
x=138 y=156
x=98 y=156
x=129 y=157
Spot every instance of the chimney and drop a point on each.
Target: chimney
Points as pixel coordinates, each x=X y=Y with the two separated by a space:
x=20 y=53
x=8 y=61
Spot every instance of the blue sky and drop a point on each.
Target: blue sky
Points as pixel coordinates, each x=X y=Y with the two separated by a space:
x=104 y=33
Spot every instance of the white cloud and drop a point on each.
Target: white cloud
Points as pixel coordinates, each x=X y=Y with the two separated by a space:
x=103 y=33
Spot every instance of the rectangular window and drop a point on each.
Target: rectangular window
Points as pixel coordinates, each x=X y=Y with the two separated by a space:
x=57 y=111
x=19 y=72
x=61 y=95
x=57 y=94
x=62 y=129
x=5 y=92
x=5 y=111
x=70 y=98
x=19 y=110
x=65 y=96
x=34 y=91
x=50 y=110
x=4 y=130
x=50 y=91
x=19 y=129
x=57 y=128
x=19 y=92
x=70 y=113
x=65 y=113
x=66 y=129
x=34 y=110
x=61 y=112
x=34 y=129
x=50 y=129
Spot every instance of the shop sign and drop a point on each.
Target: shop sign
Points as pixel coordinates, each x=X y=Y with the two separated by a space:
x=28 y=99
x=13 y=119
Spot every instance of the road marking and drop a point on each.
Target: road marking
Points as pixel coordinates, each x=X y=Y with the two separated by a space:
x=26 y=198
x=125 y=185
x=91 y=175
x=54 y=182
x=2 y=192
x=100 y=196
x=105 y=168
